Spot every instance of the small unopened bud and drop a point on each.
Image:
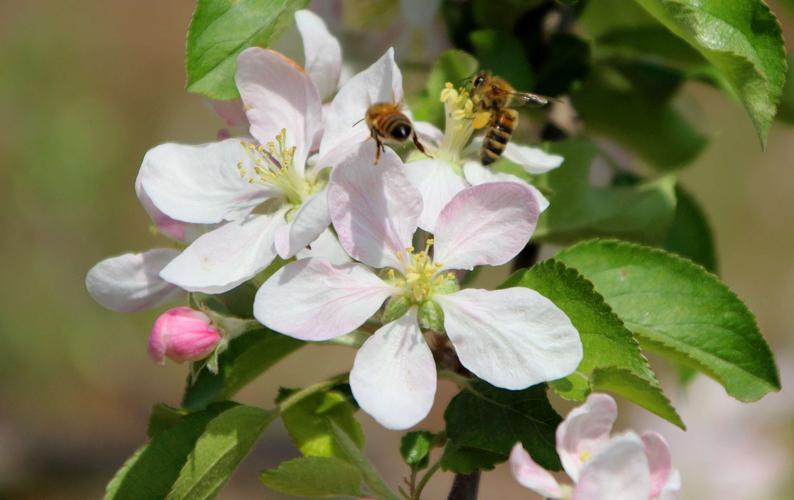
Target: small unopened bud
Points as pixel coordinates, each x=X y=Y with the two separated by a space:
x=182 y=334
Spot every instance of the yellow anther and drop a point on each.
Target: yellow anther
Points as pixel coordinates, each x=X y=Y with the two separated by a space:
x=585 y=455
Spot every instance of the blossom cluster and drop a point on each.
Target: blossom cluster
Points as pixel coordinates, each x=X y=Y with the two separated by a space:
x=378 y=247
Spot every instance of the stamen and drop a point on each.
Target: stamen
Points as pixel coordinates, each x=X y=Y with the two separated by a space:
x=273 y=166
x=458 y=126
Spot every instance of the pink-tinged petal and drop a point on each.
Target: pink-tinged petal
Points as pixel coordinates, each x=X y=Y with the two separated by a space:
x=311 y=299
x=672 y=488
x=584 y=431
x=182 y=334
x=344 y=128
x=227 y=256
x=231 y=112
x=374 y=208
x=200 y=184
x=310 y=220
x=131 y=282
x=278 y=95
x=166 y=225
x=485 y=225
x=618 y=472
x=533 y=476
x=476 y=174
x=428 y=133
x=659 y=461
x=394 y=375
x=512 y=338
x=327 y=246
x=438 y=183
x=322 y=52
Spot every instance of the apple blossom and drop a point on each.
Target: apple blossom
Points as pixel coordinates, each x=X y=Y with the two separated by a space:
x=182 y=334
x=223 y=183
x=512 y=338
x=623 y=467
x=455 y=165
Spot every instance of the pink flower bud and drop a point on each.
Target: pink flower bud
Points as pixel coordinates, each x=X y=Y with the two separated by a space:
x=182 y=334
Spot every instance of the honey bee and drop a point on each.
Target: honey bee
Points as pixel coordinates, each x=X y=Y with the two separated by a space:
x=492 y=96
x=387 y=123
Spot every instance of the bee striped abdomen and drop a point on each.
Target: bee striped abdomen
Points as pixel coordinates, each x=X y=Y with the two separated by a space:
x=395 y=126
x=498 y=135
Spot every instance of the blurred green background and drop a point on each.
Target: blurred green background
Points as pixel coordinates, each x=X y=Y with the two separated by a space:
x=87 y=86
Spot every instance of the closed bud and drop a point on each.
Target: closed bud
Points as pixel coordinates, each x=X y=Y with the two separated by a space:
x=182 y=334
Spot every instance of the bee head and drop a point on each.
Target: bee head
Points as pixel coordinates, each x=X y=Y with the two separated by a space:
x=479 y=79
x=401 y=132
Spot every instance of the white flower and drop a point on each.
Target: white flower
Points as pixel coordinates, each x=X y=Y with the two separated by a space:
x=223 y=182
x=455 y=163
x=512 y=338
x=624 y=467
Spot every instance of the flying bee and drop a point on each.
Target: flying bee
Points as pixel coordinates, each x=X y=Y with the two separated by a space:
x=492 y=96
x=387 y=123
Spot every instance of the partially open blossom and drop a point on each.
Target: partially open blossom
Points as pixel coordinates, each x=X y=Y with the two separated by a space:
x=602 y=467
x=455 y=163
x=182 y=334
x=512 y=338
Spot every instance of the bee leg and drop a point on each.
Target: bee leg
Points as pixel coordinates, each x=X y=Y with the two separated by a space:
x=379 y=147
x=419 y=145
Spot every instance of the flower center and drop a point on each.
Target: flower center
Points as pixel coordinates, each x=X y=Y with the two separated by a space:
x=422 y=278
x=274 y=167
x=459 y=122
x=585 y=455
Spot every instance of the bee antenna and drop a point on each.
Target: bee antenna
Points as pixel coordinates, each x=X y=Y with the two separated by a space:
x=361 y=120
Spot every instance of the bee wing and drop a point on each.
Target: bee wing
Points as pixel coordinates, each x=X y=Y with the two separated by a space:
x=530 y=99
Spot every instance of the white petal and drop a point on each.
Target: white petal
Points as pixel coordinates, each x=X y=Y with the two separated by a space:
x=326 y=245
x=200 y=184
x=311 y=299
x=227 y=256
x=584 y=431
x=231 y=112
x=438 y=183
x=374 y=209
x=476 y=174
x=344 y=128
x=132 y=282
x=428 y=133
x=278 y=95
x=531 y=475
x=310 y=220
x=618 y=472
x=511 y=338
x=672 y=488
x=533 y=160
x=166 y=225
x=322 y=52
x=485 y=225
x=394 y=375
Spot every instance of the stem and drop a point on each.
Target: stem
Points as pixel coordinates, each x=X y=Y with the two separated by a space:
x=465 y=486
x=308 y=391
x=423 y=482
x=459 y=379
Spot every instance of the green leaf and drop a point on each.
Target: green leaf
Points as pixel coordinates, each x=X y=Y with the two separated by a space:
x=227 y=439
x=309 y=424
x=246 y=358
x=415 y=448
x=641 y=213
x=690 y=235
x=608 y=345
x=740 y=38
x=314 y=477
x=640 y=120
x=484 y=422
x=352 y=454
x=152 y=470
x=786 y=110
x=567 y=63
x=221 y=29
x=163 y=417
x=452 y=66
x=681 y=311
